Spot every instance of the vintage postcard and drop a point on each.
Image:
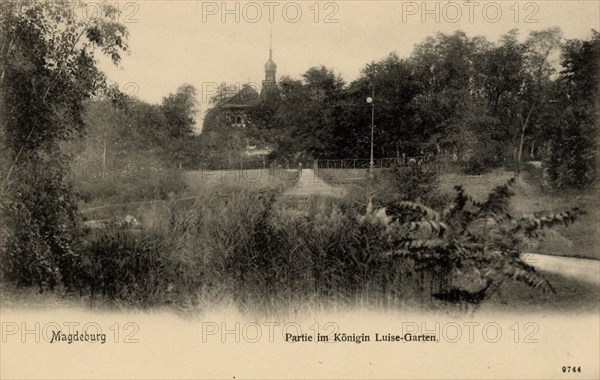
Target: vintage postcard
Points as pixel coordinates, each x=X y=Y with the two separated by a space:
x=299 y=189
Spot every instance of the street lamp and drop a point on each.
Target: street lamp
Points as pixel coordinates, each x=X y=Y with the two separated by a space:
x=371 y=101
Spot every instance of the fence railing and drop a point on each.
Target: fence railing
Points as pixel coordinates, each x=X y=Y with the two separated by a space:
x=235 y=165
x=364 y=163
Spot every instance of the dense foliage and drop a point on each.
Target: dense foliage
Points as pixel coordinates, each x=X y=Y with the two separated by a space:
x=48 y=71
x=488 y=104
x=571 y=158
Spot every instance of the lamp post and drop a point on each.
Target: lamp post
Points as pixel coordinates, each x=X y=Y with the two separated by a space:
x=371 y=101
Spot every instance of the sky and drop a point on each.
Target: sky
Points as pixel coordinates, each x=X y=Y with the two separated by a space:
x=205 y=43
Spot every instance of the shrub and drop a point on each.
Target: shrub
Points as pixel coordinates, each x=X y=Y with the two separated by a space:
x=473 y=247
x=413 y=183
x=474 y=166
x=41 y=247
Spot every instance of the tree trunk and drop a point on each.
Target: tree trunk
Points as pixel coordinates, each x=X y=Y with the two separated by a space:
x=520 y=154
x=104 y=159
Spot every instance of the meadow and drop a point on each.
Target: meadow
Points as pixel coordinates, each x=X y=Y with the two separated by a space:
x=144 y=194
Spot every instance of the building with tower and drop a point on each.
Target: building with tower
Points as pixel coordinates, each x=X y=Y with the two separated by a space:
x=232 y=107
x=225 y=123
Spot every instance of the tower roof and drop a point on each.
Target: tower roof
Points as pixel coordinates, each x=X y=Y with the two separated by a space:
x=270 y=65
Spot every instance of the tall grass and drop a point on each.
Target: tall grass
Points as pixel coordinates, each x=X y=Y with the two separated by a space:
x=183 y=248
x=243 y=246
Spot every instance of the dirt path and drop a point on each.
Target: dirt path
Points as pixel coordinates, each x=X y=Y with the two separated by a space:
x=309 y=184
x=581 y=269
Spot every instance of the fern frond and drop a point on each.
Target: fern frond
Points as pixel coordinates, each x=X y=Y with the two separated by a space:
x=531 y=224
x=498 y=200
x=553 y=236
x=429 y=212
x=419 y=244
x=519 y=271
x=430 y=227
x=460 y=201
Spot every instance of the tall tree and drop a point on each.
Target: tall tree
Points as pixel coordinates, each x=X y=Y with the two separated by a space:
x=180 y=111
x=501 y=76
x=302 y=122
x=392 y=83
x=571 y=124
x=539 y=47
x=449 y=108
x=48 y=71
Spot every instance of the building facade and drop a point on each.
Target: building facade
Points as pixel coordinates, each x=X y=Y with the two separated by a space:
x=232 y=110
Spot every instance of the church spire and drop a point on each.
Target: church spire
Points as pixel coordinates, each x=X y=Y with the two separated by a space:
x=271 y=46
x=270 y=66
x=269 y=84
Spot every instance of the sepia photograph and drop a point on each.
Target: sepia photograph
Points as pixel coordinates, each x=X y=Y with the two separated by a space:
x=309 y=189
